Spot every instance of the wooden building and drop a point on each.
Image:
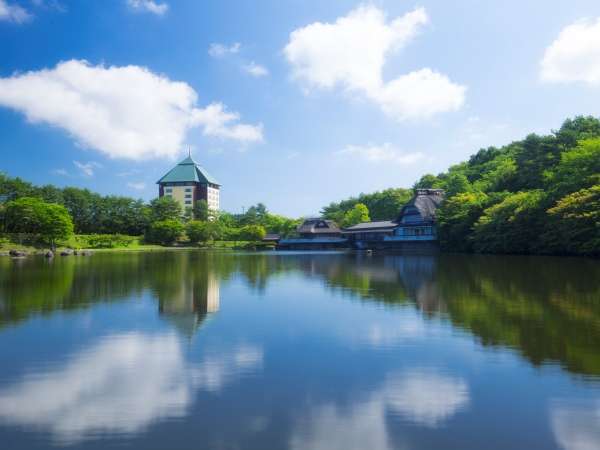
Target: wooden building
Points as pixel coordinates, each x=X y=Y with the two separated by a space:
x=416 y=223
x=315 y=234
x=187 y=183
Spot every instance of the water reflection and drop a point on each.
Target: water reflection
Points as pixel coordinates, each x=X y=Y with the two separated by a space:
x=122 y=384
x=422 y=396
x=191 y=302
x=426 y=397
x=352 y=352
x=576 y=426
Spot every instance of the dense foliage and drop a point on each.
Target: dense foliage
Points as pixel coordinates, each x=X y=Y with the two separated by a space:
x=164 y=232
x=358 y=214
x=49 y=222
x=383 y=205
x=109 y=221
x=538 y=195
x=90 y=212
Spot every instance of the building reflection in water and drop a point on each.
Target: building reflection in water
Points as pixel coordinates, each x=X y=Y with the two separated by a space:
x=191 y=303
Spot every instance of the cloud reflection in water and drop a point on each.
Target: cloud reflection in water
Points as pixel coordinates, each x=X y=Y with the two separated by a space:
x=577 y=427
x=423 y=397
x=120 y=385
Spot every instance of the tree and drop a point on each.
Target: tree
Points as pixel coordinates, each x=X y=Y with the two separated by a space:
x=49 y=222
x=427 y=181
x=252 y=233
x=165 y=208
x=203 y=231
x=164 y=232
x=358 y=214
x=575 y=223
x=201 y=211
x=511 y=226
x=578 y=168
x=457 y=183
x=456 y=217
x=382 y=205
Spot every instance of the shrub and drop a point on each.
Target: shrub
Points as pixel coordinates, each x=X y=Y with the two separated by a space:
x=252 y=233
x=164 y=232
x=109 y=240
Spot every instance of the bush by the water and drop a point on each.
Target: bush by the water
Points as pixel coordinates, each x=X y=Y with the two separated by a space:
x=165 y=232
x=109 y=240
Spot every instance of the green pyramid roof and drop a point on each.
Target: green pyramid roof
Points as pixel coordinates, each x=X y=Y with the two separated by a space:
x=188 y=171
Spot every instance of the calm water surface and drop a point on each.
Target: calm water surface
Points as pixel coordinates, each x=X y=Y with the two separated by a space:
x=192 y=350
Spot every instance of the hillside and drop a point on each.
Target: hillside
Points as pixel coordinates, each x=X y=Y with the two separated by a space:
x=540 y=195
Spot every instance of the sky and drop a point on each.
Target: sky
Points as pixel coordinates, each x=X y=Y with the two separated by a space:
x=293 y=103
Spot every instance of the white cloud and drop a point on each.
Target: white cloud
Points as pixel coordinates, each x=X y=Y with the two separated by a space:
x=12 y=12
x=217 y=50
x=419 y=95
x=124 y=112
x=137 y=185
x=149 y=6
x=256 y=70
x=574 y=55
x=385 y=153
x=87 y=168
x=352 y=52
x=217 y=122
x=120 y=385
x=61 y=172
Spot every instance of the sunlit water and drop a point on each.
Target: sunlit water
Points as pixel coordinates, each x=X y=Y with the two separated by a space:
x=192 y=350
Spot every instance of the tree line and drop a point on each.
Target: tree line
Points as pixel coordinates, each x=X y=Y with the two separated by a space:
x=49 y=214
x=537 y=195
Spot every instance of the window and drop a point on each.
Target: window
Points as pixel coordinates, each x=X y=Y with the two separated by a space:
x=188 y=195
x=188 y=202
x=169 y=190
x=188 y=189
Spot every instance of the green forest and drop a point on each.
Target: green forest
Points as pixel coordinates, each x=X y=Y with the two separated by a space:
x=540 y=195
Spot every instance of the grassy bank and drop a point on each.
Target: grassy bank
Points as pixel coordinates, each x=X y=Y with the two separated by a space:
x=116 y=243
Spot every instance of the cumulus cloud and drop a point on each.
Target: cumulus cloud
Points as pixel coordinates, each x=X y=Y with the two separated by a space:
x=218 y=122
x=124 y=112
x=149 y=6
x=351 y=53
x=217 y=50
x=385 y=153
x=87 y=168
x=574 y=55
x=256 y=70
x=121 y=385
x=11 y=12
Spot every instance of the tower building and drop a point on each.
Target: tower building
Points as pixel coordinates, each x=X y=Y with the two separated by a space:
x=187 y=183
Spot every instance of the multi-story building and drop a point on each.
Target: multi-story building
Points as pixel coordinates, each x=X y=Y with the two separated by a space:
x=187 y=183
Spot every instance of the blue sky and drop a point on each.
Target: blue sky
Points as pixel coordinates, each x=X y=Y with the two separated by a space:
x=290 y=103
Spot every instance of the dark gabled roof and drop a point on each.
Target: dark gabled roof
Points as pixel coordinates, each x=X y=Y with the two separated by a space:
x=426 y=201
x=371 y=226
x=188 y=171
x=317 y=226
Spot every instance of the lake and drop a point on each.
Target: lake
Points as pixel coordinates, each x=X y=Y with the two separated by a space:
x=208 y=350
